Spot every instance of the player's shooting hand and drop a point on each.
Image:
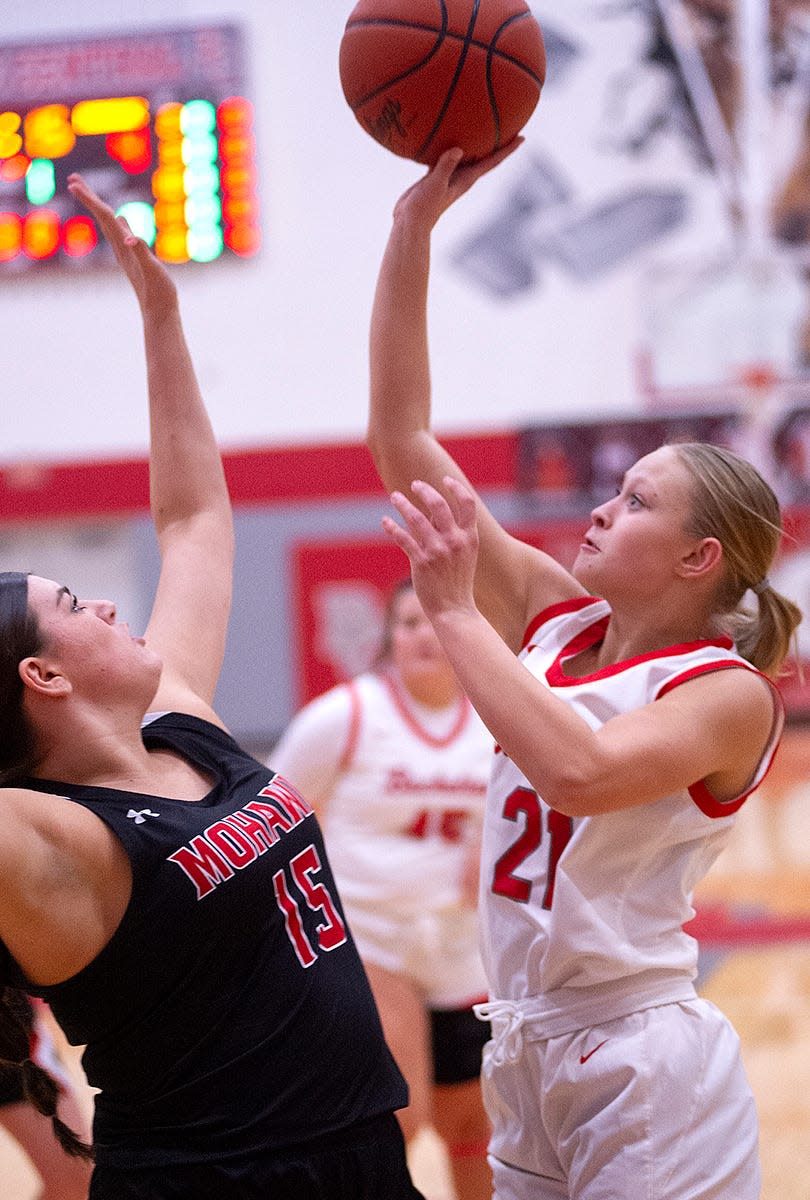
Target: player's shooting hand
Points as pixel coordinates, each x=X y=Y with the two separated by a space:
x=446 y=181
x=150 y=280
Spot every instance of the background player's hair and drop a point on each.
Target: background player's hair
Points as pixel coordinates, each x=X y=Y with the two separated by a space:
x=399 y=589
x=19 y=637
x=733 y=503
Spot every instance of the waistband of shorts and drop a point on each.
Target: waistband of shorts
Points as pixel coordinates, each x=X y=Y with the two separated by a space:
x=538 y=1018
x=367 y=1131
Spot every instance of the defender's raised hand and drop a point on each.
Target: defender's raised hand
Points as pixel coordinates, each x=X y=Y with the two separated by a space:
x=150 y=280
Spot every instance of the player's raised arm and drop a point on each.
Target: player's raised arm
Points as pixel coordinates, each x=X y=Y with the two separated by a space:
x=189 y=498
x=399 y=433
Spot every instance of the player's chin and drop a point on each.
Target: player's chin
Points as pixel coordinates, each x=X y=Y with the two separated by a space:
x=586 y=571
x=149 y=666
x=583 y=563
x=151 y=676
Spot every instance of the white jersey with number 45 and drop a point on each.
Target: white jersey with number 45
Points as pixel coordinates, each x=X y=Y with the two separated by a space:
x=399 y=789
x=585 y=916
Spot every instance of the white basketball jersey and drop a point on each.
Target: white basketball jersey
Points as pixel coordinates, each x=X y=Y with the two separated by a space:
x=407 y=801
x=586 y=915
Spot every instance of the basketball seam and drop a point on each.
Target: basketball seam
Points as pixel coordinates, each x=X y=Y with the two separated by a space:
x=416 y=67
x=493 y=101
x=459 y=68
x=492 y=52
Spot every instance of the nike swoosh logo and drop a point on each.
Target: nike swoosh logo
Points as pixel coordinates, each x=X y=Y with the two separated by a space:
x=583 y=1058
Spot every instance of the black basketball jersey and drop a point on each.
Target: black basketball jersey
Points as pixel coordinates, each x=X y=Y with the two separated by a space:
x=229 y=1013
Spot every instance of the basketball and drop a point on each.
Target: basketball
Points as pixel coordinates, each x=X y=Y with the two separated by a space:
x=423 y=76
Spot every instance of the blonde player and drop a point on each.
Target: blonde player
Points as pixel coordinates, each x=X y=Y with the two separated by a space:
x=630 y=728
x=396 y=765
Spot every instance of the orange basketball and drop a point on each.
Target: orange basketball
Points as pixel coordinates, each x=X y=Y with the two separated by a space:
x=422 y=76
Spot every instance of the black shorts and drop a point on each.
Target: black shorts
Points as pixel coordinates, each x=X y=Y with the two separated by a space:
x=458 y=1038
x=366 y=1162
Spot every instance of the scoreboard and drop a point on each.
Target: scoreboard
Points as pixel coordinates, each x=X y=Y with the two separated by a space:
x=158 y=124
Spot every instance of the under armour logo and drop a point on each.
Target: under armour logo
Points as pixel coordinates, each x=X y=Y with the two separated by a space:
x=140 y=817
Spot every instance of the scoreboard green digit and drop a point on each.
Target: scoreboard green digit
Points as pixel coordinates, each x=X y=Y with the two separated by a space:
x=156 y=121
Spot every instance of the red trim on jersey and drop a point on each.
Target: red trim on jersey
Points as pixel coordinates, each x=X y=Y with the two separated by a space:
x=412 y=721
x=353 y=735
x=556 y=610
x=586 y=638
x=702 y=669
x=594 y=633
x=709 y=806
x=703 y=798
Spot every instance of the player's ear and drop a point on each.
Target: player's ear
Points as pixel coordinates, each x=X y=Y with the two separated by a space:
x=705 y=558
x=42 y=675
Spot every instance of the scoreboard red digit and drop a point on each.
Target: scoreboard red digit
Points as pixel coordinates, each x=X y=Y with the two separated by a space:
x=159 y=125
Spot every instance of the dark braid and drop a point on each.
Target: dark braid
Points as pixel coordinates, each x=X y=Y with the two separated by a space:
x=39 y=1089
x=19 y=637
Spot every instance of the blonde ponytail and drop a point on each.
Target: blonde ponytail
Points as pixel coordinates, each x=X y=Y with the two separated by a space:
x=733 y=503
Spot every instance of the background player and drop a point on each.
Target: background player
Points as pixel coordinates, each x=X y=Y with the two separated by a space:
x=396 y=764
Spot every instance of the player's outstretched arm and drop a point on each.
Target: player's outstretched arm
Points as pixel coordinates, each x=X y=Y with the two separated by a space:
x=189 y=497
x=399 y=435
x=513 y=582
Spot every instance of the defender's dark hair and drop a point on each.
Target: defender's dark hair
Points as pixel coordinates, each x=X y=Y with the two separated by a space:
x=19 y=637
x=37 y=1087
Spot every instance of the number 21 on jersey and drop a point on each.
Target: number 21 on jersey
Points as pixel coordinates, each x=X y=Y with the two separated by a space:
x=522 y=806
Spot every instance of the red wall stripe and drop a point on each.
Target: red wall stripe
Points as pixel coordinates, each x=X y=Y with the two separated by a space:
x=331 y=471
